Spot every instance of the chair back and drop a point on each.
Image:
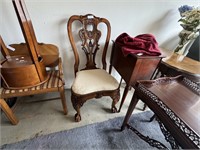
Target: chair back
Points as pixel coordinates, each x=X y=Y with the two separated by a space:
x=89 y=35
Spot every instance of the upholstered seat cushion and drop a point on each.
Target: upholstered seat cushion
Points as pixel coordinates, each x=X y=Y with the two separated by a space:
x=88 y=81
x=53 y=82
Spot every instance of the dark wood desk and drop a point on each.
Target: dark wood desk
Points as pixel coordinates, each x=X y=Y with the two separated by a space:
x=132 y=67
x=176 y=103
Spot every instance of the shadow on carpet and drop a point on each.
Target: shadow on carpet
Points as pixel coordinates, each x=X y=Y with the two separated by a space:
x=104 y=135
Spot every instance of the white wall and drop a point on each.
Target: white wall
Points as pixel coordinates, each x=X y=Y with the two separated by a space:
x=49 y=18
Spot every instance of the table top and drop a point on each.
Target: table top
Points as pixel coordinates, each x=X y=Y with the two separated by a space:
x=179 y=98
x=187 y=65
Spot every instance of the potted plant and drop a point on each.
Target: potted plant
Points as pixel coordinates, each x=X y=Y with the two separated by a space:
x=190 y=21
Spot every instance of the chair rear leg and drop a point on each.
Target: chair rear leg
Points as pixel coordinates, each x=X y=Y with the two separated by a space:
x=6 y=109
x=63 y=100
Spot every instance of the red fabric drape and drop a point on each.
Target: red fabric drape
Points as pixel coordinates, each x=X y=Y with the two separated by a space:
x=144 y=43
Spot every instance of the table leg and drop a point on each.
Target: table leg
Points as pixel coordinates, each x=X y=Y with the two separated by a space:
x=124 y=97
x=131 y=107
x=144 y=107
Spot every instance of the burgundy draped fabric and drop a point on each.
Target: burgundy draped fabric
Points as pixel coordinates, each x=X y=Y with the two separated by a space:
x=145 y=44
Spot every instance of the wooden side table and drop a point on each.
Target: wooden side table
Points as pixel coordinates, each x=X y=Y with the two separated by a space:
x=132 y=67
x=187 y=67
x=176 y=102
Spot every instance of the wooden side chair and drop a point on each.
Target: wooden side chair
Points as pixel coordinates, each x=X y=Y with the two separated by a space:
x=49 y=52
x=53 y=82
x=91 y=81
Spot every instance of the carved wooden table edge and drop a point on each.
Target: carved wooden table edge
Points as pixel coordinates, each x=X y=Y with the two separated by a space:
x=190 y=135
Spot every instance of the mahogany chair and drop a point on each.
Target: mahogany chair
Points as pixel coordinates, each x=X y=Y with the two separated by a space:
x=49 y=52
x=91 y=81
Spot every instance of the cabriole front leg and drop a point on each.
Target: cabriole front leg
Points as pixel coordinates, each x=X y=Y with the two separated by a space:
x=115 y=99
x=77 y=105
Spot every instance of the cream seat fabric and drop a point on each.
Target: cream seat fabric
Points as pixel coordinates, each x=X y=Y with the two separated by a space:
x=88 y=81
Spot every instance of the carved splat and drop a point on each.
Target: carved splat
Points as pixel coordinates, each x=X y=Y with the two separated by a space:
x=89 y=35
